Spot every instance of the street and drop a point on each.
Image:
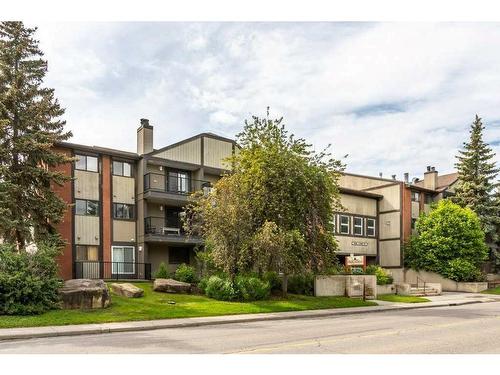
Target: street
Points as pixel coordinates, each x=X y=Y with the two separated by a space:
x=464 y=329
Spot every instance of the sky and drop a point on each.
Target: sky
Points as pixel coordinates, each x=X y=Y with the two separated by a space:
x=393 y=97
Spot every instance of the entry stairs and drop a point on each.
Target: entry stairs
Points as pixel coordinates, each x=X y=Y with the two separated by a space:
x=421 y=291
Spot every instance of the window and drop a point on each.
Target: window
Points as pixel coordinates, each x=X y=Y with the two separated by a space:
x=86 y=207
x=428 y=198
x=121 y=168
x=123 y=211
x=415 y=196
x=370 y=227
x=178 y=255
x=86 y=163
x=358 y=226
x=344 y=224
x=178 y=182
x=123 y=258
x=90 y=253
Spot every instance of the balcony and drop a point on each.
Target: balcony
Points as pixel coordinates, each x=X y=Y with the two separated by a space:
x=170 y=231
x=112 y=270
x=173 y=189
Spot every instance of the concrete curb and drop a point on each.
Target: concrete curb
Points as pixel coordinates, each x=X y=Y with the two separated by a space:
x=90 y=329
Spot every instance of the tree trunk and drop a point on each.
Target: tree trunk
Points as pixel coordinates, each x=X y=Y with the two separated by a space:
x=284 y=285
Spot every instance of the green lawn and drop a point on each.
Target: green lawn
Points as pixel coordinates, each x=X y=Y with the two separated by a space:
x=155 y=306
x=403 y=299
x=493 y=290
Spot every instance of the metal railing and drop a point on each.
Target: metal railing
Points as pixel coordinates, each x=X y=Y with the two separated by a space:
x=86 y=269
x=418 y=284
x=174 y=184
x=162 y=226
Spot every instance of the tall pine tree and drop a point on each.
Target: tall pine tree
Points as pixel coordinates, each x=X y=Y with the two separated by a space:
x=29 y=127
x=476 y=180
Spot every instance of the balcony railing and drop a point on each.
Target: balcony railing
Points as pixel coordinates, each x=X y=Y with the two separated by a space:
x=163 y=226
x=112 y=270
x=174 y=184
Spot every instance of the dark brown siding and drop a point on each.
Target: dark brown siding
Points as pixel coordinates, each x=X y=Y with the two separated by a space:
x=65 y=227
x=406 y=213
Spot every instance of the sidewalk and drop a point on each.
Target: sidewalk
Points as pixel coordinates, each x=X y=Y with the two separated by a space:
x=447 y=299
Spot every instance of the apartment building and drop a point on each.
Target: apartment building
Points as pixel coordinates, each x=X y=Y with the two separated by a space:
x=380 y=213
x=124 y=215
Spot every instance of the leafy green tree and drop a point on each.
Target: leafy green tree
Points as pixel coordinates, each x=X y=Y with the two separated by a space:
x=449 y=241
x=29 y=127
x=274 y=211
x=476 y=181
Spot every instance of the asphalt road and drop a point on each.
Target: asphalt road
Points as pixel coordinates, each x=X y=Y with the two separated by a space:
x=460 y=329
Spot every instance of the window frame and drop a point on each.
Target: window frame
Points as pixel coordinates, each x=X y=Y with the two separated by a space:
x=131 y=210
x=415 y=194
x=98 y=209
x=84 y=157
x=348 y=224
x=122 y=174
x=86 y=253
x=368 y=227
x=354 y=226
x=114 y=268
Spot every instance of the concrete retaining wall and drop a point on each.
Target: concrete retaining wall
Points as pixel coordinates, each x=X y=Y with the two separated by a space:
x=345 y=285
x=386 y=289
x=409 y=276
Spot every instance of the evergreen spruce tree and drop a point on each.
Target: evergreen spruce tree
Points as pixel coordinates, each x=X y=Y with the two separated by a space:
x=29 y=127
x=476 y=181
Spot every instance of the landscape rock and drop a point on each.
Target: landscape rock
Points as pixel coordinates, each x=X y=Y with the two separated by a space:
x=85 y=294
x=127 y=290
x=171 y=286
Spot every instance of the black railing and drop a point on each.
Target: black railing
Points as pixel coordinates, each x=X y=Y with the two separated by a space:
x=174 y=184
x=163 y=226
x=112 y=270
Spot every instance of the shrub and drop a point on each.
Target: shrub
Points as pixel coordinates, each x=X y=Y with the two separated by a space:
x=29 y=282
x=449 y=241
x=301 y=284
x=220 y=289
x=162 y=272
x=202 y=284
x=383 y=277
x=273 y=279
x=462 y=270
x=251 y=288
x=185 y=274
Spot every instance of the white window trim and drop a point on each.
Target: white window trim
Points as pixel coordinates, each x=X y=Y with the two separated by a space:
x=374 y=227
x=354 y=226
x=341 y=225
x=113 y=259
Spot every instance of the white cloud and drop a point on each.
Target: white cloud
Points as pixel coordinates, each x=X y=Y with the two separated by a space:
x=395 y=97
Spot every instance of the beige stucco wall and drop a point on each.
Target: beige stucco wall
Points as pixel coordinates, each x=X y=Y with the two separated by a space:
x=389 y=253
x=124 y=189
x=153 y=209
x=359 y=182
x=214 y=151
x=86 y=185
x=189 y=152
x=389 y=225
x=361 y=246
x=427 y=208
x=123 y=231
x=359 y=205
x=87 y=230
x=211 y=177
x=392 y=197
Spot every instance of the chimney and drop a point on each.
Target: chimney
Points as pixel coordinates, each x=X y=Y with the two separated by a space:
x=144 y=137
x=393 y=176
x=431 y=178
x=380 y=174
x=407 y=177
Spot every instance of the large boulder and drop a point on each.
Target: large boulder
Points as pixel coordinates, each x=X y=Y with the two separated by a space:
x=85 y=294
x=171 y=286
x=127 y=290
